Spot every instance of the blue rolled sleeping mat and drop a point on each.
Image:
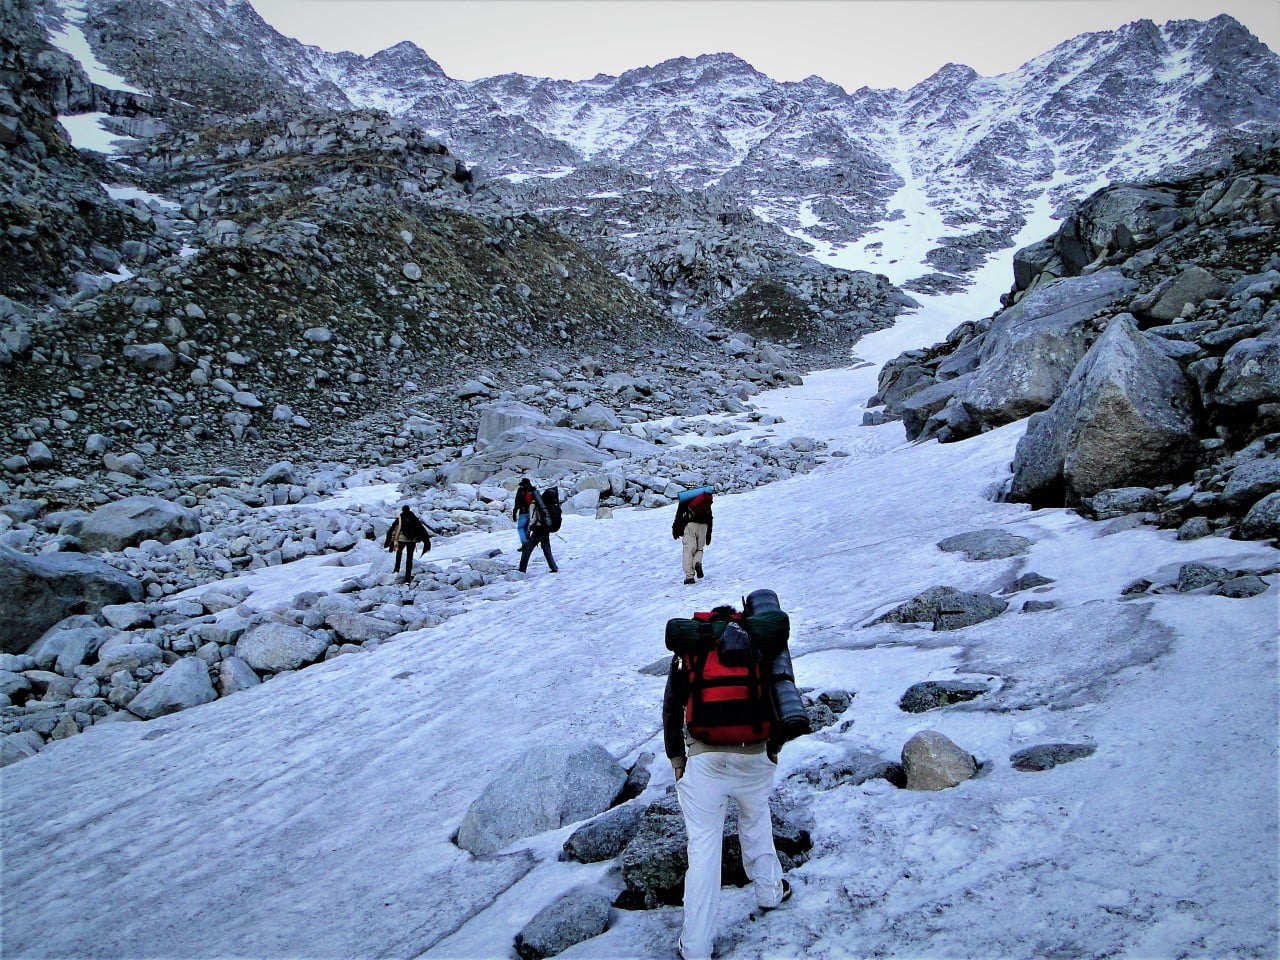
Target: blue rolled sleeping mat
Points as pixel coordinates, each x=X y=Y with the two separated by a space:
x=690 y=494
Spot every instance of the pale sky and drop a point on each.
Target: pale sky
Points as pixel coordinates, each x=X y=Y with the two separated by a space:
x=876 y=43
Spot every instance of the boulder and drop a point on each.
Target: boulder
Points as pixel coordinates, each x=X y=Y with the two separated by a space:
x=544 y=788
x=1194 y=576
x=1125 y=419
x=235 y=675
x=946 y=608
x=1191 y=287
x=185 y=684
x=127 y=522
x=544 y=451
x=1121 y=501
x=1250 y=372
x=988 y=544
x=1262 y=522
x=932 y=694
x=604 y=837
x=1046 y=756
x=933 y=762
x=497 y=418
x=19 y=746
x=354 y=627
x=654 y=862
x=1240 y=588
x=126 y=656
x=273 y=647
x=578 y=915
x=150 y=356
x=1031 y=349
x=38 y=592
x=1250 y=482
x=1115 y=219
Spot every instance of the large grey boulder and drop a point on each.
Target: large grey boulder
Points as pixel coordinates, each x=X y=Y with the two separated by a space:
x=933 y=762
x=544 y=788
x=1250 y=482
x=1125 y=419
x=38 y=592
x=154 y=357
x=1115 y=219
x=1031 y=349
x=1250 y=372
x=497 y=418
x=1263 y=519
x=185 y=684
x=1191 y=287
x=604 y=837
x=127 y=522
x=273 y=647
x=542 y=451
x=578 y=915
x=235 y=675
x=19 y=746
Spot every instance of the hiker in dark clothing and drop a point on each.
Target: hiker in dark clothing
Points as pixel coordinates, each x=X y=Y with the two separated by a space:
x=407 y=531
x=539 y=533
x=520 y=512
x=693 y=523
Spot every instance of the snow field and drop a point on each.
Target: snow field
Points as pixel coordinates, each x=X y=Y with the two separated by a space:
x=313 y=816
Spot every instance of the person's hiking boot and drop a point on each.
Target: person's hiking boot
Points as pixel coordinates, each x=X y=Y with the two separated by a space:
x=689 y=580
x=697 y=568
x=786 y=895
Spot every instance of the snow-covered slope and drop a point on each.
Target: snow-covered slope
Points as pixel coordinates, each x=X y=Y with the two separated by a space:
x=312 y=816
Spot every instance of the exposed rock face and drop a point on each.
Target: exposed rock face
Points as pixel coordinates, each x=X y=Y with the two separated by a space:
x=37 y=592
x=1125 y=419
x=544 y=788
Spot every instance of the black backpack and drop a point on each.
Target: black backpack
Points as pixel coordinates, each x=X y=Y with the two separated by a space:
x=551 y=502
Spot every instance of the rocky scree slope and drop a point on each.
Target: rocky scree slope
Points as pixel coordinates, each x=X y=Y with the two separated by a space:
x=1147 y=332
x=55 y=218
x=330 y=261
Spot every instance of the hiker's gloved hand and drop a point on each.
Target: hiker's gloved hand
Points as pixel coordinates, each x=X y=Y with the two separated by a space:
x=677 y=765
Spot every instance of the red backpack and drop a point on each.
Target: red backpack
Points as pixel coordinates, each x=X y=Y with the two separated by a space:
x=728 y=700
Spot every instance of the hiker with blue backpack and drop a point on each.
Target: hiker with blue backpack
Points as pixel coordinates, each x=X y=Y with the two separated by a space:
x=729 y=705
x=544 y=519
x=693 y=525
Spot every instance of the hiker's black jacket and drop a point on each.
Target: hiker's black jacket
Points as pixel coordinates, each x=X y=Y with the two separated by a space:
x=684 y=517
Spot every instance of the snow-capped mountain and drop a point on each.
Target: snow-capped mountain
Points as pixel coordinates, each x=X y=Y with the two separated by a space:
x=964 y=159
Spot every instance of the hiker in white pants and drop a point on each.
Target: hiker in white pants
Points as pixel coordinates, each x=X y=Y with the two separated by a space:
x=704 y=784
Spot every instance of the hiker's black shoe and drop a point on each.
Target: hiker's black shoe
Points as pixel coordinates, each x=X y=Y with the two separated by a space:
x=786 y=895
x=689 y=580
x=698 y=570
